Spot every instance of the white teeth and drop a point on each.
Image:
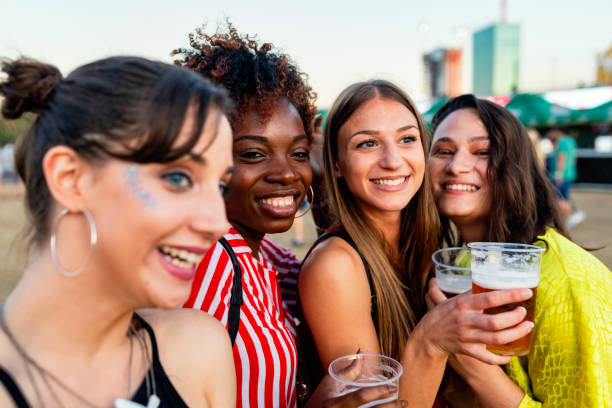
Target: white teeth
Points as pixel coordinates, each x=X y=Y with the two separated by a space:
x=181 y=257
x=387 y=182
x=460 y=187
x=278 y=201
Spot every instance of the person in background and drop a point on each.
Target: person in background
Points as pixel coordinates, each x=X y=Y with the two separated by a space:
x=362 y=286
x=272 y=126
x=564 y=173
x=298 y=224
x=505 y=196
x=10 y=181
x=319 y=203
x=534 y=137
x=322 y=215
x=123 y=168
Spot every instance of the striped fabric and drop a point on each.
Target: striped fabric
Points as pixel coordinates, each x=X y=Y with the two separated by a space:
x=287 y=266
x=265 y=350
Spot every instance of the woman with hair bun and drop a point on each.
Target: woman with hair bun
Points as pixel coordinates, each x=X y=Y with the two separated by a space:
x=123 y=169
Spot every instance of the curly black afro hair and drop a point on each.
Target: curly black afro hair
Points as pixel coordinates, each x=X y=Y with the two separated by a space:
x=254 y=75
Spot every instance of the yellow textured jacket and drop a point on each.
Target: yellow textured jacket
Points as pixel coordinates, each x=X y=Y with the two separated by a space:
x=570 y=361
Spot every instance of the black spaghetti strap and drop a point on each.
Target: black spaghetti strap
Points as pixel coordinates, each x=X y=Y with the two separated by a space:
x=149 y=330
x=340 y=233
x=13 y=389
x=233 y=317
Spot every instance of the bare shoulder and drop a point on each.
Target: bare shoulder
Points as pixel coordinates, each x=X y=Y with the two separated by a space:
x=187 y=327
x=333 y=259
x=196 y=352
x=336 y=301
x=334 y=266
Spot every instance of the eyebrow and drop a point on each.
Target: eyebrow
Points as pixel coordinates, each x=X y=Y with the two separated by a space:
x=198 y=158
x=376 y=132
x=472 y=139
x=264 y=139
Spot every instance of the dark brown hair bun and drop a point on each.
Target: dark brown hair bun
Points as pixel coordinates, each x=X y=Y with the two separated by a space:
x=28 y=86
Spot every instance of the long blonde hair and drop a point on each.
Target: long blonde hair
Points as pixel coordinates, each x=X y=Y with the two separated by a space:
x=399 y=288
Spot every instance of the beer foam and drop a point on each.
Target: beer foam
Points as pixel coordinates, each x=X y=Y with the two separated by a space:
x=454 y=284
x=504 y=279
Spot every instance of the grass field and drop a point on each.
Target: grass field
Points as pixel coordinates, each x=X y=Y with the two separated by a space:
x=595 y=231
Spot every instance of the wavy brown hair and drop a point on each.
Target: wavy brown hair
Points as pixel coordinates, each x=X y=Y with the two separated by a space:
x=399 y=286
x=523 y=197
x=256 y=76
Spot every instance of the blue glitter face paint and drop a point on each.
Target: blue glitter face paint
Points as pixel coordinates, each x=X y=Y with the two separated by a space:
x=135 y=185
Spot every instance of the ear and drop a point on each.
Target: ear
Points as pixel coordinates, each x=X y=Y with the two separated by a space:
x=337 y=171
x=64 y=172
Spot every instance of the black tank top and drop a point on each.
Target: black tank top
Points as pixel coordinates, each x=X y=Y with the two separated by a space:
x=310 y=370
x=164 y=389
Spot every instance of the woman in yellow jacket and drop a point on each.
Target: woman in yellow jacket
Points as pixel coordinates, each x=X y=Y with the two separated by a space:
x=487 y=182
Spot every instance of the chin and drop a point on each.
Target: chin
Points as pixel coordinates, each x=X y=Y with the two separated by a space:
x=278 y=226
x=390 y=205
x=168 y=297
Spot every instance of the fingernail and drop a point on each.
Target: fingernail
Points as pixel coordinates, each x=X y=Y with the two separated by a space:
x=531 y=324
x=522 y=309
x=528 y=292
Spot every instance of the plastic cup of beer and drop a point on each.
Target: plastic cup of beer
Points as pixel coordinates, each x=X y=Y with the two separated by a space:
x=498 y=266
x=453 y=270
x=373 y=370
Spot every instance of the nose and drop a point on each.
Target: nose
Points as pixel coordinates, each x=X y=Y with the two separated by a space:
x=282 y=172
x=460 y=162
x=391 y=157
x=210 y=218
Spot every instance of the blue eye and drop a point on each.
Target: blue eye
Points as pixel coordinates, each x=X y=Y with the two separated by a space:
x=177 y=179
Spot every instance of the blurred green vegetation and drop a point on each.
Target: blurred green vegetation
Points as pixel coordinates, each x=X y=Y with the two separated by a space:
x=11 y=129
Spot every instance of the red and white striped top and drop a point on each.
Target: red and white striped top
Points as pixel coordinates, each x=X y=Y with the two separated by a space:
x=265 y=352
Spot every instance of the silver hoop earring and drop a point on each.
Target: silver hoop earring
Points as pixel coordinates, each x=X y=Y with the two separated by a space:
x=93 y=239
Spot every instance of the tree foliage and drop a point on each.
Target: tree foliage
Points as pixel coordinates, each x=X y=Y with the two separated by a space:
x=11 y=129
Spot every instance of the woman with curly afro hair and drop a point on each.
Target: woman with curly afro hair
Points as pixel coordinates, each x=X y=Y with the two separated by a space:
x=272 y=125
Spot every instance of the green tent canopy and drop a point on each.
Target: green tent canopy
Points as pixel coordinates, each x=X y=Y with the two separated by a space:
x=533 y=111
x=435 y=106
x=598 y=114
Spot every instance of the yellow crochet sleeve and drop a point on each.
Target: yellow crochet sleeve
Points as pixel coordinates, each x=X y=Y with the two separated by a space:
x=570 y=361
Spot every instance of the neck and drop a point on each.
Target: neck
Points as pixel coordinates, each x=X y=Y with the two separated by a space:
x=471 y=231
x=72 y=318
x=252 y=238
x=388 y=224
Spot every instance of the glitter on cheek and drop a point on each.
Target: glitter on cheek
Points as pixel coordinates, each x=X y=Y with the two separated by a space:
x=133 y=182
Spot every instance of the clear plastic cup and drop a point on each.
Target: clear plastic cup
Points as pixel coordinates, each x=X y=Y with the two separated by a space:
x=453 y=270
x=372 y=370
x=496 y=266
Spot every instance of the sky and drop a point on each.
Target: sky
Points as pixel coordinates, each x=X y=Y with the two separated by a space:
x=335 y=42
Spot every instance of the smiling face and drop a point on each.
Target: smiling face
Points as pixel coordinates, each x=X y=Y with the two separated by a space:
x=380 y=156
x=156 y=221
x=458 y=165
x=271 y=173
